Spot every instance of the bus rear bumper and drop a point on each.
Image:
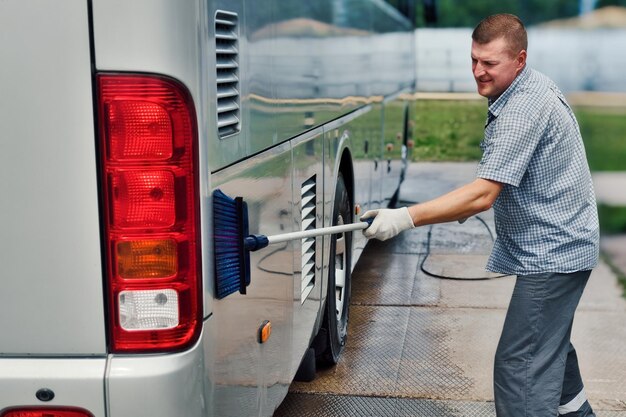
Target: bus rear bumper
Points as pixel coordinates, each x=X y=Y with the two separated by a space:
x=73 y=382
x=159 y=385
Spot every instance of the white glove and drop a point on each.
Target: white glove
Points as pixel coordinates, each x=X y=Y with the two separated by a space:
x=387 y=223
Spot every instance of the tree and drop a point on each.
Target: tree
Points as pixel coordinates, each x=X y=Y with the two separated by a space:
x=604 y=3
x=461 y=13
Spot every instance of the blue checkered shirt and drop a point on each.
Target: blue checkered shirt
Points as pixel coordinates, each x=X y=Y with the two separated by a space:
x=546 y=215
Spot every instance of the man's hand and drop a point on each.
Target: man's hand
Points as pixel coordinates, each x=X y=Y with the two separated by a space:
x=387 y=223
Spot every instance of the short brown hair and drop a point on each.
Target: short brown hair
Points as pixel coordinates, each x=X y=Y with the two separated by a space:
x=506 y=26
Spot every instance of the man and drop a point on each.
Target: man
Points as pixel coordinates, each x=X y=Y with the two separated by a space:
x=535 y=175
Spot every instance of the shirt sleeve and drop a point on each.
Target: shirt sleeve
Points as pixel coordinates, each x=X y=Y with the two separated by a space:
x=510 y=143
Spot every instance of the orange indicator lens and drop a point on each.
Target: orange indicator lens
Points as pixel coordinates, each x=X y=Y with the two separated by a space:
x=153 y=258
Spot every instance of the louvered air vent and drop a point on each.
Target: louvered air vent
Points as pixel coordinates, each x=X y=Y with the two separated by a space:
x=227 y=64
x=308 y=245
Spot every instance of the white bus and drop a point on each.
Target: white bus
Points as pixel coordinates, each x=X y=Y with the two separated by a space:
x=120 y=120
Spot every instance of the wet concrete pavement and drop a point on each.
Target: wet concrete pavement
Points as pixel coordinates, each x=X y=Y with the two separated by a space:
x=426 y=318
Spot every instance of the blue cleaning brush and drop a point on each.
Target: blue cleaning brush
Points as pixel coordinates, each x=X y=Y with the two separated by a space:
x=232 y=261
x=233 y=243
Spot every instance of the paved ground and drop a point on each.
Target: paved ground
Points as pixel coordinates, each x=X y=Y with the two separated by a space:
x=615 y=248
x=610 y=187
x=423 y=345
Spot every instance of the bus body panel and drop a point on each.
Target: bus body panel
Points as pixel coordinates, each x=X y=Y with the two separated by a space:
x=310 y=267
x=159 y=36
x=74 y=382
x=375 y=159
x=244 y=368
x=318 y=93
x=346 y=137
x=161 y=385
x=51 y=301
x=221 y=152
x=307 y=64
x=394 y=113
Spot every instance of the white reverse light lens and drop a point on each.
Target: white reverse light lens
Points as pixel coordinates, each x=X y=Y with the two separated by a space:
x=148 y=310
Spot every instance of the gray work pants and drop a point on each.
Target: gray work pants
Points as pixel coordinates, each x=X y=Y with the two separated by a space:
x=536 y=370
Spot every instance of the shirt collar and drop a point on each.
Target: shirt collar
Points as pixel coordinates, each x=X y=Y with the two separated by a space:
x=496 y=105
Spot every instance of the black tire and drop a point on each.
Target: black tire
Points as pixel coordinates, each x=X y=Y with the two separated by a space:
x=336 y=313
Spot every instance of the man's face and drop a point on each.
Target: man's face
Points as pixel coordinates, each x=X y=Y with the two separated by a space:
x=494 y=68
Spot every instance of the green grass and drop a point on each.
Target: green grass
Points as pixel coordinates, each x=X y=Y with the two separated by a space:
x=446 y=130
x=604 y=134
x=612 y=219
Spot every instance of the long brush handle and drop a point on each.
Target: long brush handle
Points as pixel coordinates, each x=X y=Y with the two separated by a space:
x=331 y=230
x=256 y=242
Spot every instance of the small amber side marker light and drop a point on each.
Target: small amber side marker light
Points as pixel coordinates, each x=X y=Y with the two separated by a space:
x=357 y=209
x=265 y=331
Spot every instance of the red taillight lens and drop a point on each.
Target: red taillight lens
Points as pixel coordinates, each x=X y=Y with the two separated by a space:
x=140 y=130
x=148 y=141
x=143 y=198
x=46 y=412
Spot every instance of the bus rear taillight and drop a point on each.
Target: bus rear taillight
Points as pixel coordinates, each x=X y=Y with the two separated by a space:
x=148 y=139
x=46 y=412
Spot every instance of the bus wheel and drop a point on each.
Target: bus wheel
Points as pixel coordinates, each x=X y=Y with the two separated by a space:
x=335 y=324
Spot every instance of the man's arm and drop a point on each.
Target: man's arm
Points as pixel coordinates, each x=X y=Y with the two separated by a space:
x=464 y=202
x=459 y=204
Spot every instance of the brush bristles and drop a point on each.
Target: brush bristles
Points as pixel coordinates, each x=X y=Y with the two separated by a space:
x=229 y=230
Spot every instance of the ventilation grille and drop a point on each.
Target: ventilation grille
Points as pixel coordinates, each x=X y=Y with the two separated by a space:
x=227 y=65
x=308 y=245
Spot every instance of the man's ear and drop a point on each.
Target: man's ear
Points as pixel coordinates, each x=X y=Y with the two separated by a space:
x=521 y=60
